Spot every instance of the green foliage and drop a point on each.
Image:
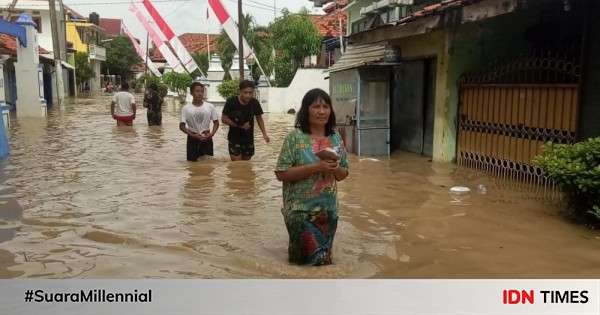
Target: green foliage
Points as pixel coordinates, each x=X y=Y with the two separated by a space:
x=285 y=69
x=120 y=56
x=150 y=78
x=576 y=169
x=83 y=69
x=295 y=37
x=178 y=82
x=258 y=37
x=202 y=60
x=229 y=88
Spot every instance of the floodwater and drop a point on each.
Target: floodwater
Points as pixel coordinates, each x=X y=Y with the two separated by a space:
x=81 y=198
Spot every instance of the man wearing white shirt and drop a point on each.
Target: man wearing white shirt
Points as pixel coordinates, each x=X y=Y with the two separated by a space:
x=195 y=122
x=122 y=107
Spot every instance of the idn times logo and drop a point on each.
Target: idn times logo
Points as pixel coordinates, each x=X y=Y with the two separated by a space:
x=514 y=296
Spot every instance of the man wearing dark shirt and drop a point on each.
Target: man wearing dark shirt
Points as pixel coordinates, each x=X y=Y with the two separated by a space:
x=238 y=114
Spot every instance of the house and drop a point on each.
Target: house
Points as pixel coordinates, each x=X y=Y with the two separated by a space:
x=111 y=28
x=40 y=13
x=332 y=27
x=483 y=83
x=8 y=48
x=85 y=34
x=195 y=43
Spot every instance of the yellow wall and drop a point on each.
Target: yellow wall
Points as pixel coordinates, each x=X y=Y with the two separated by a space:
x=427 y=46
x=73 y=37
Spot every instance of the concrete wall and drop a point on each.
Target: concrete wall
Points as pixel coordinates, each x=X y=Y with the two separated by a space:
x=459 y=50
x=427 y=46
x=476 y=46
x=96 y=81
x=212 y=93
x=354 y=12
x=280 y=100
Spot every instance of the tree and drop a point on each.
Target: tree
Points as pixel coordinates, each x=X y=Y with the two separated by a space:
x=285 y=70
x=295 y=37
x=203 y=61
x=148 y=78
x=120 y=57
x=83 y=69
x=258 y=37
x=178 y=82
x=229 y=88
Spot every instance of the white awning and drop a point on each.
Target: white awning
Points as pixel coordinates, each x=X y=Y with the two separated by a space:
x=67 y=65
x=359 y=55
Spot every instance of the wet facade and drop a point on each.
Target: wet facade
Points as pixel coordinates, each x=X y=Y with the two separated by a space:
x=431 y=50
x=81 y=198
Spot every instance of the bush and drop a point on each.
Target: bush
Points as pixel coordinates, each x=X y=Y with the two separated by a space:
x=163 y=89
x=285 y=70
x=229 y=88
x=178 y=82
x=576 y=170
x=83 y=69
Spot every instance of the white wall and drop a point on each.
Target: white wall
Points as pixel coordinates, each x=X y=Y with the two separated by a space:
x=212 y=93
x=45 y=37
x=280 y=100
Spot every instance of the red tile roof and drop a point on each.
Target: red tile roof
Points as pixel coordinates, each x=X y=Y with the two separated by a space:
x=193 y=42
x=329 y=24
x=8 y=45
x=112 y=27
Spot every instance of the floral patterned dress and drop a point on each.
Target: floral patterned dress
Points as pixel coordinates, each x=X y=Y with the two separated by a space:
x=310 y=206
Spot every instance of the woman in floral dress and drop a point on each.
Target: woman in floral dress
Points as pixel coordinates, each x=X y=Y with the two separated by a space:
x=310 y=205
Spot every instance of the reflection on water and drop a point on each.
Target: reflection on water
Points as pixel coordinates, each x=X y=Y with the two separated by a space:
x=80 y=197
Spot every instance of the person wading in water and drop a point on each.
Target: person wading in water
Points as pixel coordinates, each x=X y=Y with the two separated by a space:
x=312 y=160
x=122 y=107
x=195 y=123
x=238 y=114
x=153 y=102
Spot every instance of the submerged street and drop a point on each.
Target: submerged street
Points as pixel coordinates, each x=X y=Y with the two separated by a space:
x=81 y=198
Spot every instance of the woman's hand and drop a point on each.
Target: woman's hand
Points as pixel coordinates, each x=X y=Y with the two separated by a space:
x=326 y=166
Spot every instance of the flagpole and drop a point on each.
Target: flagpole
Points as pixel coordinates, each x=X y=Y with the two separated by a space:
x=240 y=38
x=207 y=36
x=147 y=53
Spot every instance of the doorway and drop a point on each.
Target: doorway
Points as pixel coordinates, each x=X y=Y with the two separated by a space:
x=412 y=108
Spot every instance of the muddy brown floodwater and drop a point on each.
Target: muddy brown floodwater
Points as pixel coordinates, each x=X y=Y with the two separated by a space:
x=82 y=198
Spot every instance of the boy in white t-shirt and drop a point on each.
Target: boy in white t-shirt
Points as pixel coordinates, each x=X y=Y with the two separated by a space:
x=195 y=122
x=122 y=107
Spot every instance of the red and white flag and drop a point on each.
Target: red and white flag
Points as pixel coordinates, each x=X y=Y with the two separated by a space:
x=180 y=50
x=140 y=51
x=229 y=26
x=160 y=45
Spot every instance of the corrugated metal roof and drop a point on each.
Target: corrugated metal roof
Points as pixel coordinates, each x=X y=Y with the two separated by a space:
x=358 y=55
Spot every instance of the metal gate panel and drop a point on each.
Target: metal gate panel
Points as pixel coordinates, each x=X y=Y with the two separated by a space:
x=502 y=127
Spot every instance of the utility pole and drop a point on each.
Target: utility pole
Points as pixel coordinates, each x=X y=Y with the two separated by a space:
x=147 y=53
x=60 y=90
x=341 y=27
x=241 y=38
